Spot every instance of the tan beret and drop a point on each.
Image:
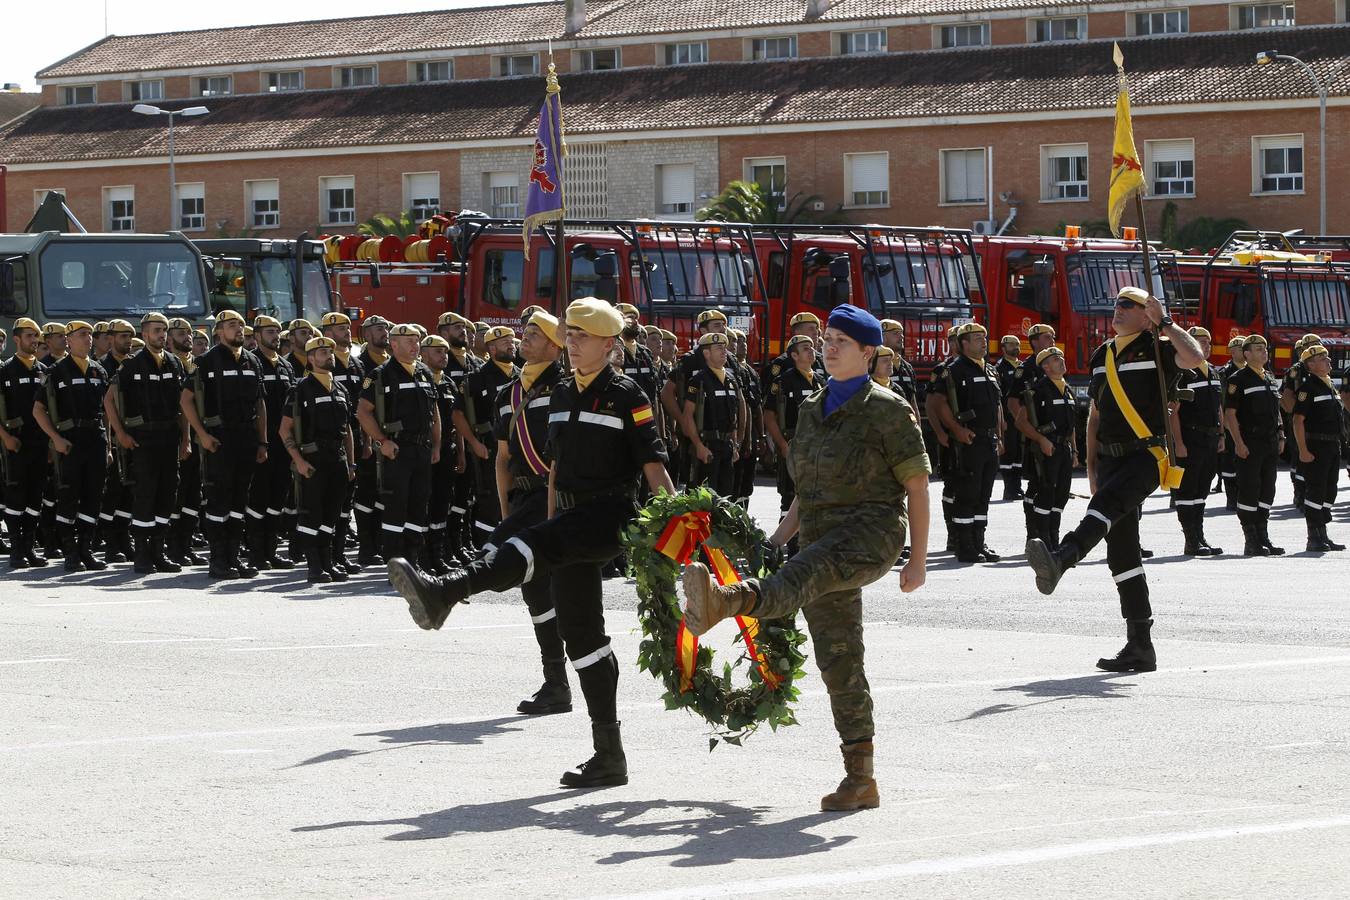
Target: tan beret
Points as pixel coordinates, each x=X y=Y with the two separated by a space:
x=595 y=317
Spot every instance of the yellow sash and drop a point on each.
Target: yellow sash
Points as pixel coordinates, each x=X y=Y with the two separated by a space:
x=1169 y=476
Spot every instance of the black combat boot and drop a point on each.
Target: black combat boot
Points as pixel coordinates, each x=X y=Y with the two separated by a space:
x=255 y=546
x=340 y=558
x=1264 y=524
x=218 y=552
x=1251 y=537
x=315 y=571
x=1331 y=545
x=555 y=696
x=1050 y=563
x=161 y=562
x=70 y=549
x=182 y=535
x=18 y=541
x=368 y=540
x=607 y=767
x=1316 y=544
x=981 y=548
x=4 y=541
x=430 y=598
x=1192 y=546
x=116 y=543
x=1208 y=548
x=966 y=549
x=235 y=551
x=1137 y=655
x=144 y=557
x=86 y=551
x=334 y=571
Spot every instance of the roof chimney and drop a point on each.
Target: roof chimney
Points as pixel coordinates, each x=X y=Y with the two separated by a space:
x=576 y=15
x=816 y=8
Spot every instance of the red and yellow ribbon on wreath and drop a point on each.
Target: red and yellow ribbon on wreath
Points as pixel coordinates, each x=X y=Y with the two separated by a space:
x=682 y=537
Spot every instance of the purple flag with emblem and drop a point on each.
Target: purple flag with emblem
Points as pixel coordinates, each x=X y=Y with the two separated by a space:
x=544 y=193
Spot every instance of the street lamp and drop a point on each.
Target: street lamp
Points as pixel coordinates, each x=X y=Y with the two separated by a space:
x=1265 y=58
x=146 y=109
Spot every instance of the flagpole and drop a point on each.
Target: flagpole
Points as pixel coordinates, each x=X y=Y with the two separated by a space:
x=561 y=287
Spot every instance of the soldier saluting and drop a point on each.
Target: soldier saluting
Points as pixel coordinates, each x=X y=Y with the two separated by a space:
x=1127 y=460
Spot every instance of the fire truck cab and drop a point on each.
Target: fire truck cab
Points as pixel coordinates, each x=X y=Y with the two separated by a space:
x=284 y=279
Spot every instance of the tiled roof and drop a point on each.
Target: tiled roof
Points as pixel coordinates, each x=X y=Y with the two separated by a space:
x=15 y=104
x=1190 y=69
x=476 y=27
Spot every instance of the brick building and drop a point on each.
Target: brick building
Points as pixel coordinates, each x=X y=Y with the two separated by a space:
x=927 y=112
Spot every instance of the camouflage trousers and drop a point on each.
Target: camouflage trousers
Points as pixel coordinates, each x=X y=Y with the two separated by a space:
x=825 y=581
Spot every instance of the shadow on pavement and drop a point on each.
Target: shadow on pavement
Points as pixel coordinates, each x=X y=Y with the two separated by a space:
x=446 y=734
x=1055 y=690
x=712 y=834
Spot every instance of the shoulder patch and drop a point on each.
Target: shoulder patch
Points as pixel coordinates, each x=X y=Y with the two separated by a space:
x=1232 y=388
x=368 y=382
x=1302 y=395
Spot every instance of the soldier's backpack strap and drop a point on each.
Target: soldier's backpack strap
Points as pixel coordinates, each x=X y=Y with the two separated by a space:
x=62 y=425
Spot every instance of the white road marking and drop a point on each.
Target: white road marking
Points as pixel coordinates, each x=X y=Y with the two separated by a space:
x=183 y=640
x=36 y=659
x=247 y=732
x=304 y=647
x=952 y=864
x=98 y=603
x=1298 y=744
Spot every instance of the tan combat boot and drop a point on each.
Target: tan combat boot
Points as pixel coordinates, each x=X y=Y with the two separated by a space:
x=858 y=790
x=706 y=603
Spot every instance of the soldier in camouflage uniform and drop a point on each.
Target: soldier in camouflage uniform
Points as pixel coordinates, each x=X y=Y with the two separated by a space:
x=856 y=457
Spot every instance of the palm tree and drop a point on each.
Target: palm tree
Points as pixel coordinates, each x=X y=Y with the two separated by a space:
x=381 y=225
x=753 y=203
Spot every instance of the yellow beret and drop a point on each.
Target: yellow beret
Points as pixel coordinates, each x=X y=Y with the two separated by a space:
x=53 y=328
x=228 y=315
x=627 y=309
x=1047 y=353
x=1138 y=295
x=712 y=339
x=529 y=311
x=299 y=323
x=709 y=315
x=265 y=322
x=548 y=324
x=150 y=318
x=334 y=318
x=405 y=330
x=595 y=317
x=1196 y=331
x=376 y=321
x=200 y=332
x=736 y=333
x=435 y=341
x=972 y=328
x=884 y=352
x=1236 y=341
x=452 y=318
x=320 y=343
x=1040 y=328
x=21 y=324
x=1314 y=350
x=285 y=335
x=136 y=344
x=667 y=335
x=421 y=329
x=248 y=331
x=180 y=323
x=891 y=325
x=482 y=326
x=797 y=340
x=1311 y=339
x=118 y=326
x=77 y=325
x=1252 y=340
x=1010 y=339
x=954 y=331
x=498 y=332
x=651 y=329
x=100 y=328
x=801 y=318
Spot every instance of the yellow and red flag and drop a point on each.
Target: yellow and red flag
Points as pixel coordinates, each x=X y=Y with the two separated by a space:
x=1127 y=175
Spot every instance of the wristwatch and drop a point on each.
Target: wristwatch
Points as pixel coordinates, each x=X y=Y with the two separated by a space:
x=1166 y=321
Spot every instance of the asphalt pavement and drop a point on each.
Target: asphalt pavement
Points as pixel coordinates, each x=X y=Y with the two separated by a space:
x=168 y=736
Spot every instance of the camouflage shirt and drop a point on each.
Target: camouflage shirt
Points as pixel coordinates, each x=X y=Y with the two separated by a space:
x=850 y=468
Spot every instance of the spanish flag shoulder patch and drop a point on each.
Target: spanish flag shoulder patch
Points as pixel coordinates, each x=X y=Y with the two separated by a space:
x=642 y=415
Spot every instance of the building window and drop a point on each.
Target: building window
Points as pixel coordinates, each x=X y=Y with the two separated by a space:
x=963 y=174
x=1067 y=28
x=602 y=60
x=337 y=196
x=285 y=81
x=440 y=70
x=138 y=91
x=1064 y=169
x=215 y=86
x=867 y=180
x=120 y=204
x=422 y=194
x=525 y=64
x=686 y=53
x=1167 y=21
x=1278 y=161
x=1170 y=168
x=191 y=206
x=964 y=35
x=40 y=195
x=77 y=95
x=770 y=172
x=852 y=43
x=676 y=184
x=264 y=203
x=502 y=190
x=356 y=76
x=586 y=172
x=774 y=48
x=1266 y=15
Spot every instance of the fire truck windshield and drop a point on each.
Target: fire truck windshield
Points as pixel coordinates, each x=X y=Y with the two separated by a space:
x=93 y=279
x=269 y=288
x=689 y=276
x=1095 y=277
x=921 y=279
x=1310 y=300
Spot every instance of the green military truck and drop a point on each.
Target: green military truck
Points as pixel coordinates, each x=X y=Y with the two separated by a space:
x=284 y=279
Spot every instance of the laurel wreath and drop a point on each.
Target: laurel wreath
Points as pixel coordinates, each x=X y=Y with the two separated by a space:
x=734 y=711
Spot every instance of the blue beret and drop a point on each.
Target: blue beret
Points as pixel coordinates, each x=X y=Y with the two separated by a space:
x=857 y=323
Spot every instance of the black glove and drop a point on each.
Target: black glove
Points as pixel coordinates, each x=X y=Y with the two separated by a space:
x=774 y=555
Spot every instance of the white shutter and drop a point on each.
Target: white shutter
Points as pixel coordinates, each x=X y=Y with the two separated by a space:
x=194 y=190
x=502 y=179
x=121 y=193
x=963 y=175
x=340 y=183
x=1171 y=151
x=263 y=190
x=677 y=185
x=424 y=185
x=869 y=172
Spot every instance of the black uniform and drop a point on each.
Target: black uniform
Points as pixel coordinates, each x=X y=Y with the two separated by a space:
x=226 y=388
x=785 y=397
x=271 y=494
x=439 y=548
x=321 y=416
x=1256 y=400
x=366 y=502
x=1026 y=379
x=783 y=363
x=1293 y=377
x=188 y=503
x=349 y=372
x=973 y=392
x=459 y=527
x=904 y=381
x=717 y=419
x=405 y=409
x=599 y=439
x=150 y=387
x=946 y=455
x=477 y=401
x=73 y=397
x=744 y=482
x=1051 y=411
x=114 y=515
x=1010 y=462
x=25 y=471
x=1199 y=415
x=1227 y=459
x=1319 y=403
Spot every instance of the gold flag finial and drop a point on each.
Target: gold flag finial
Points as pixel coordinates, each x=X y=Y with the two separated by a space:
x=1118 y=57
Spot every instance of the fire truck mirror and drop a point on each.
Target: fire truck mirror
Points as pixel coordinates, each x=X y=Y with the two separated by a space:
x=606 y=265
x=1044 y=266
x=1244 y=303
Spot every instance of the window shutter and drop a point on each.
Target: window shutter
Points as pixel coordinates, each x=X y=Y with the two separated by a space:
x=1171 y=151
x=869 y=172
x=677 y=183
x=424 y=185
